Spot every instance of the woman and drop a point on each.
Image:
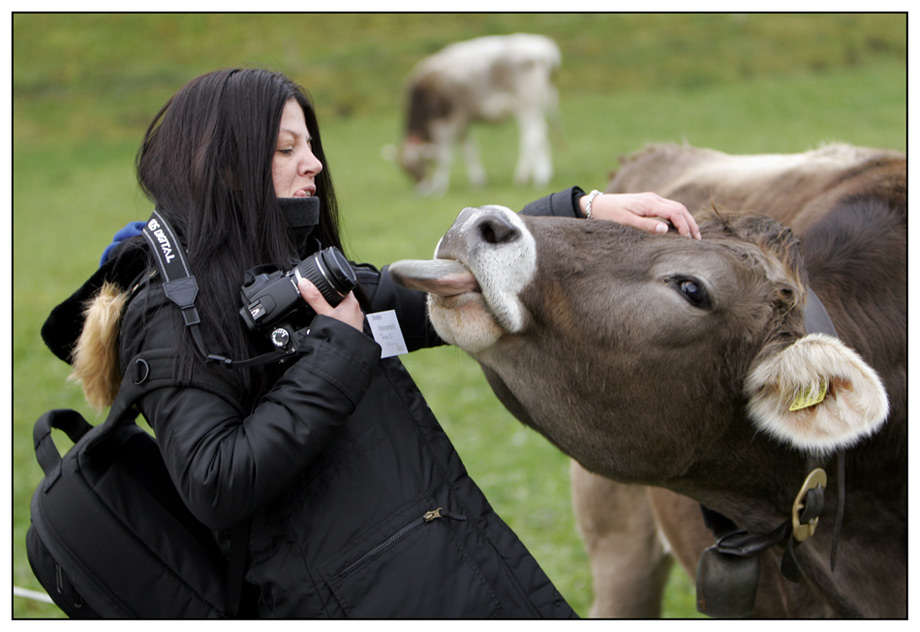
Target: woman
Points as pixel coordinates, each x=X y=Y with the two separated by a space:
x=357 y=504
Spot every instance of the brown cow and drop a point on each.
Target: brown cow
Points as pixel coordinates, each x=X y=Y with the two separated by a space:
x=674 y=363
x=489 y=80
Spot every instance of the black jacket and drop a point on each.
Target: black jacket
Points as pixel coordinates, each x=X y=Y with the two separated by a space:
x=359 y=504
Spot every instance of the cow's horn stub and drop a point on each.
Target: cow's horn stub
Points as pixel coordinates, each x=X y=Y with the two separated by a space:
x=443 y=277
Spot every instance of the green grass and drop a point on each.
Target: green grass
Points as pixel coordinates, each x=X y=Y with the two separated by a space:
x=85 y=86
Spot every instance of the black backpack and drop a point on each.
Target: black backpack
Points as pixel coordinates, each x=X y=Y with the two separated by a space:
x=110 y=536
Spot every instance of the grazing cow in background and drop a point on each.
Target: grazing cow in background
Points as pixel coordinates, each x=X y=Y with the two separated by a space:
x=488 y=79
x=689 y=366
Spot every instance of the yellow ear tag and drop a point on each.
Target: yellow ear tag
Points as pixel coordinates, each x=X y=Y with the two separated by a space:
x=810 y=397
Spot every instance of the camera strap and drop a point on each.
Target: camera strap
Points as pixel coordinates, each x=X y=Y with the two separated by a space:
x=181 y=288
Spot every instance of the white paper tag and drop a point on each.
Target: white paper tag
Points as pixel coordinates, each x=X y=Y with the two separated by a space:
x=387 y=333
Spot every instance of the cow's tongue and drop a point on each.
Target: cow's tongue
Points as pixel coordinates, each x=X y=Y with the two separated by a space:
x=444 y=277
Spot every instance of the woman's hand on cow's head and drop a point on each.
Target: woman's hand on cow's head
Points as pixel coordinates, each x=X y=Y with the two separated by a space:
x=640 y=210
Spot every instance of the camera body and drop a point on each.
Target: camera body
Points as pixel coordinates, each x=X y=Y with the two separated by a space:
x=272 y=302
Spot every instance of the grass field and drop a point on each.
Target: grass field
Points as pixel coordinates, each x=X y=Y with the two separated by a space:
x=85 y=86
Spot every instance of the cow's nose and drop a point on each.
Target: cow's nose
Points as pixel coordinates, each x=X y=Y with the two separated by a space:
x=496 y=229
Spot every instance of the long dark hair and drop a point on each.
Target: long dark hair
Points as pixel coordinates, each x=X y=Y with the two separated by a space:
x=206 y=163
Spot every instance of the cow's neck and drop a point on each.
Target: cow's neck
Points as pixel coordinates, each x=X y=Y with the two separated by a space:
x=728 y=571
x=760 y=511
x=792 y=472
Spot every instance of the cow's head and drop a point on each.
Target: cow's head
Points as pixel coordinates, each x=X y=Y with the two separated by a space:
x=415 y=157
x=429 y=106
x=635 y=353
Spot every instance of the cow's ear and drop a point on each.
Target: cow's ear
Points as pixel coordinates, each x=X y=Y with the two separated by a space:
x=817 y=395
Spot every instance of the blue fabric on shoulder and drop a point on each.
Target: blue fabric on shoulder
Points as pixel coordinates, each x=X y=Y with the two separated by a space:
x=132 y=229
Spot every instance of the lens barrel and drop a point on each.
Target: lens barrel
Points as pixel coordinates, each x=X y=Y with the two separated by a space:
x=331 y=273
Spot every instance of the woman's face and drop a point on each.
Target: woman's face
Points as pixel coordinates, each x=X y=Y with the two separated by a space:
x=294 y=166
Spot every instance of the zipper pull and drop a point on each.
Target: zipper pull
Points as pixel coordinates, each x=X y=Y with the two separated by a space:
x=440 y=512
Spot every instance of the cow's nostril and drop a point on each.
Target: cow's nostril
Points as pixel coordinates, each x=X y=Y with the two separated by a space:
x=497 y=230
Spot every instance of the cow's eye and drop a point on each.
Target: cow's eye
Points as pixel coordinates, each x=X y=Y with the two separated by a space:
x=693 y=291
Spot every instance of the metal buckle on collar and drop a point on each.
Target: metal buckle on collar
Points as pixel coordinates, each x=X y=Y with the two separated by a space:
x=808 y=505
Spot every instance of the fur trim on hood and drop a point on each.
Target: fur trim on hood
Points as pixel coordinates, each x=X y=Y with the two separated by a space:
x=95 y=356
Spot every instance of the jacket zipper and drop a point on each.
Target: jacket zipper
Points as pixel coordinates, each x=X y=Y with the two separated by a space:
x=428 y=516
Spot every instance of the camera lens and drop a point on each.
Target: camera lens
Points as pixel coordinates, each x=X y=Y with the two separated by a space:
x=331 y=273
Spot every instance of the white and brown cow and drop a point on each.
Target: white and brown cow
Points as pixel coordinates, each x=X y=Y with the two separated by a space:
x=489 y=79
x=676 y=363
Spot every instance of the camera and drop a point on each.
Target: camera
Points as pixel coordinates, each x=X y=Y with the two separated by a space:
x=271 y=298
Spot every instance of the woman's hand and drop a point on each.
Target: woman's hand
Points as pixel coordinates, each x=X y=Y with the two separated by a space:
x=639 y=209
x=348 y=311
